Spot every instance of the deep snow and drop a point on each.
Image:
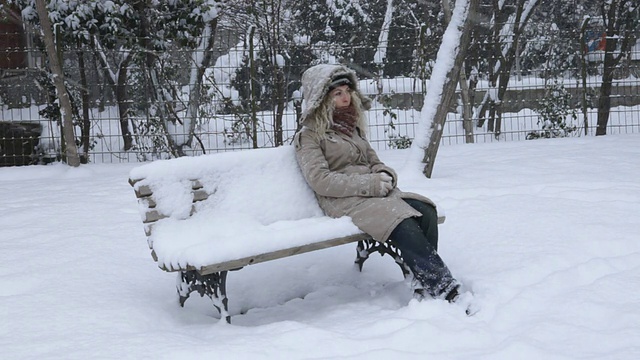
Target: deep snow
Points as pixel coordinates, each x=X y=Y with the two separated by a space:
x=544 y=232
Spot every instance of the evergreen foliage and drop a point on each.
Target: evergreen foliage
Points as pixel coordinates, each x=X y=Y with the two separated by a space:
x=555 y=110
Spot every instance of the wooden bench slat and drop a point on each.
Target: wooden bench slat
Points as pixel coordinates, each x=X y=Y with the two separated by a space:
x=147 y=231
x=196 y=184
x=200 y=194
x=143 y=191
x=273 y=255
x=153 y=215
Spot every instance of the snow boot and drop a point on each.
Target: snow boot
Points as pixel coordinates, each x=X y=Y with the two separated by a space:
x=453 y=294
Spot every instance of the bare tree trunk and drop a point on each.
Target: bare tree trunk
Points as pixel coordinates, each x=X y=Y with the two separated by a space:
x=379 y=57
x=86 y=122
x=123 y=102
x=503 y=57
x=492 y=116
x=467 y=108
x=467 y=123
x=280 y=98
x=297 y=106
x=523 y=13
x=619 y=25
x=465 y=9
x=118 y=84
x=268 y=20
x=252 y=87
x=195 y=94
x=583 y=73
x=488 y=103
x=98 y=87
x=160 y=106
x=604 y=100
x=71 y=150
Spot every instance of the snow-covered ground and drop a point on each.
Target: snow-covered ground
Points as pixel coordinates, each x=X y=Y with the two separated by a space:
x=544 y=232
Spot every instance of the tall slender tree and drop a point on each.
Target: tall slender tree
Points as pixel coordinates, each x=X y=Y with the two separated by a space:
x=507 y=25
x=70 y=148
x=442 y=85
x=621 y=19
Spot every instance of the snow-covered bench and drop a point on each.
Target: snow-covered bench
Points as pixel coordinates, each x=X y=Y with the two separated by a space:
x=207 y=215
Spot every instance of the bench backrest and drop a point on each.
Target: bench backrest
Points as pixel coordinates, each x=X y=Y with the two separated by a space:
x=264 y=184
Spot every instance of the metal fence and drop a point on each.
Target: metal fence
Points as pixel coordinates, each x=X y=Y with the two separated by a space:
x=30 y=119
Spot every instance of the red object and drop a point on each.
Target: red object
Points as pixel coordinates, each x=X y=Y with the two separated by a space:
x=603 y=42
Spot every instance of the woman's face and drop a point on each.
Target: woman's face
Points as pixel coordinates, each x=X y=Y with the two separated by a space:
x=341 y=96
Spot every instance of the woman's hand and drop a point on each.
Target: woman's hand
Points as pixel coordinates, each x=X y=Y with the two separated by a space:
x=386 y=184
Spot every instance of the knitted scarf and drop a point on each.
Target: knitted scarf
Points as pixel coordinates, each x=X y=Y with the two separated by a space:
x=345 y=120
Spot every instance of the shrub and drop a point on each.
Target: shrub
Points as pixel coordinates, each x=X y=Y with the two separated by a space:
x=554 y=109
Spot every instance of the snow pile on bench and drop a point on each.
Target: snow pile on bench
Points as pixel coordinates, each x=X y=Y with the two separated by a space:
x=258 y=202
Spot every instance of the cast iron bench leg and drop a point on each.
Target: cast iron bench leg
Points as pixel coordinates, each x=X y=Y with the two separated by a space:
x=213 y=285
x=368 y=247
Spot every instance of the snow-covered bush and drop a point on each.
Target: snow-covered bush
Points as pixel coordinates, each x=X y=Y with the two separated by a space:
x=554 y=109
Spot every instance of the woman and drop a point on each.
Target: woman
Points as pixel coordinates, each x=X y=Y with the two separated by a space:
x=349 y=179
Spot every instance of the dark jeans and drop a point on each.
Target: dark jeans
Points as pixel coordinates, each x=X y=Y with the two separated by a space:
x=417 y=239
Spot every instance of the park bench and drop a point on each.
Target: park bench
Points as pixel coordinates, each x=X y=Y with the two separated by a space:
x=208 y=215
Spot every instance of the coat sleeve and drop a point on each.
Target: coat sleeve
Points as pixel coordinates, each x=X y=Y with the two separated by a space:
x=378 y=166
x=325 y=182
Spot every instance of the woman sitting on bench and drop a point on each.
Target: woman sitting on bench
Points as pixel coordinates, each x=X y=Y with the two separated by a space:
x=349 y=179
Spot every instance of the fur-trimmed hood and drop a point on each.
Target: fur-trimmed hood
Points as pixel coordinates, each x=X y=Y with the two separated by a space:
x=315 y=85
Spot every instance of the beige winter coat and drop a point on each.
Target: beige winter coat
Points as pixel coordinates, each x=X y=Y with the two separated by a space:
x=345 y=171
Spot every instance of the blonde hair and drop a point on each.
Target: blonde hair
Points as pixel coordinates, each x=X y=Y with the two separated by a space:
x=323 y=115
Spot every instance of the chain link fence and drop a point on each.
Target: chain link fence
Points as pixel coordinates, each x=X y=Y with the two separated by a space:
x=248 y=101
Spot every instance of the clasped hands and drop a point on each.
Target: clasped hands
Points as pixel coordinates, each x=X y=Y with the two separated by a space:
x=386 y=183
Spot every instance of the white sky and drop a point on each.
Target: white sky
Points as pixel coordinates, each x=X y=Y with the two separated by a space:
x=544 y=232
